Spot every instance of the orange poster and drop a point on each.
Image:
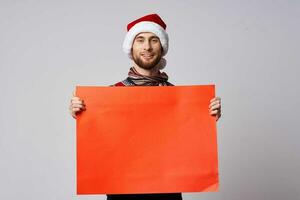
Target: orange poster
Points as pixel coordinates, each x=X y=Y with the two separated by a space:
x=146 y=139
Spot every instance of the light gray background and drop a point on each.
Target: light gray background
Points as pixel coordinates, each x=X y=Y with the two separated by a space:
x=249 y=49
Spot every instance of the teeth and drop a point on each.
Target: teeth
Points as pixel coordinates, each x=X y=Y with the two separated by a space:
x=147 y=55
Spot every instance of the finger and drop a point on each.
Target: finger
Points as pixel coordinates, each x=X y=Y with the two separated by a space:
x=214 y=112
x=215 y=107
x=77 y=102
x=215 y=99
x=75 y=99
x=78 y=106
x=218 y=116
x=76 y=110
x=214 y=103
x=74 y=115
x=81 y=108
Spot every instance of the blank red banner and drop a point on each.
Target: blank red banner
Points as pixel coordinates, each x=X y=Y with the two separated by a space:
x=146 y=139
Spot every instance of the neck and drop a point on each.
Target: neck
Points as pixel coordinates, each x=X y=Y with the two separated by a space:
x=146 y=72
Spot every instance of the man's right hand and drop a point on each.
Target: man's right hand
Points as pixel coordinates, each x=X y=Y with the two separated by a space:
x=76 y=106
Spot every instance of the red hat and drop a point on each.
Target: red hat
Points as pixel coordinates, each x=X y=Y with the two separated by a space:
x=149 y=23
x=151 y=18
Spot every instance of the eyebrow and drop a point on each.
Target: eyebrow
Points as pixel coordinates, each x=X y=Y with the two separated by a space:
x=142 y=37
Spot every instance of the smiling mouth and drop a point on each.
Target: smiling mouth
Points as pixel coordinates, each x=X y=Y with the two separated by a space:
x=147 y=56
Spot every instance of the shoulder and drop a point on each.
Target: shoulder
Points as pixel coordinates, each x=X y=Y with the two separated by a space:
x=125 y=82
x=119 y=84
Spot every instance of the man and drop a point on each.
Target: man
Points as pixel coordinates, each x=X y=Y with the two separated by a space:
x=146 y=43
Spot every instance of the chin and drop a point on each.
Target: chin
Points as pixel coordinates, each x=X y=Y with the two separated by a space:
x=146 y=64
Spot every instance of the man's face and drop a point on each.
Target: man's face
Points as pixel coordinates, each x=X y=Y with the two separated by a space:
x=146 y=50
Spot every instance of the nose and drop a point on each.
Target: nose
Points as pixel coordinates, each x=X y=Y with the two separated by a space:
x=147 y=45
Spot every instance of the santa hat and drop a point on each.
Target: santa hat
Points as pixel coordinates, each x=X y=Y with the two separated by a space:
x=149 y=23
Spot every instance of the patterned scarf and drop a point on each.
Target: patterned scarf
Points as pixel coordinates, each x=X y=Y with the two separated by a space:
x=141 y=80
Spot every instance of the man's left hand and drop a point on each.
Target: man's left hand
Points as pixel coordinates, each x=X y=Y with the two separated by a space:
x=215 y=107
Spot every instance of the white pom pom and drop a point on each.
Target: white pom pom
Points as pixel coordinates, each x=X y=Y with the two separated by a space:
x=162 y=64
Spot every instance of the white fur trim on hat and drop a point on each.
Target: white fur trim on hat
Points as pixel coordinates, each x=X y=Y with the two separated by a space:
x=162 y=64
x=146 y=26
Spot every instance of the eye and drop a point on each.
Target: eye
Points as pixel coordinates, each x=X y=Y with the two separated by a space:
x=154 y=40
x=139 y=40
